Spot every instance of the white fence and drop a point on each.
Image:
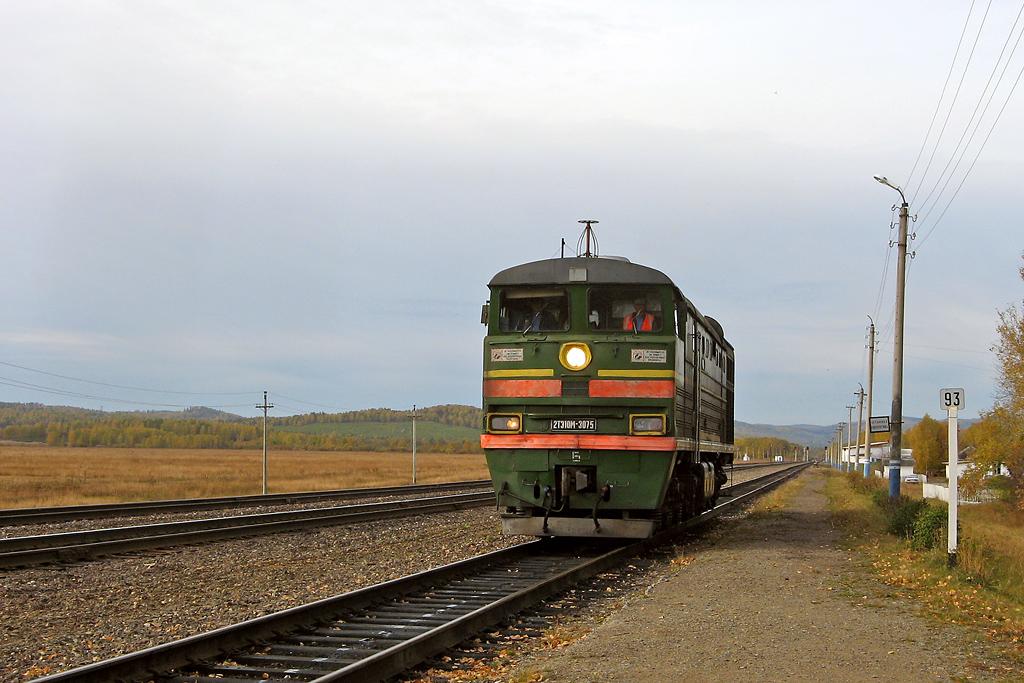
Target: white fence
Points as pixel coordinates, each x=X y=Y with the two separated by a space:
x=942 y=493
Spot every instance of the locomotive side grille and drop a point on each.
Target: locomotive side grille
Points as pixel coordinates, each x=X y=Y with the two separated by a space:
x=575 y=388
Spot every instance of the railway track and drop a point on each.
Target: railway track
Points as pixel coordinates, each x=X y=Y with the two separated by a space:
x=23 y=551
x=44 y=515
x=380 y=631
x=29 y=550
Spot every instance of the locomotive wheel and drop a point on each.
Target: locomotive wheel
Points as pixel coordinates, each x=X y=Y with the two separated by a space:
x=671 y=509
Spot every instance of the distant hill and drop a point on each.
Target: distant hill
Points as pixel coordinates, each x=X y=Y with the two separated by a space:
x=445 y=423
x=41 y=411
x=817 y=436
x=814 y=436
x=194 y=413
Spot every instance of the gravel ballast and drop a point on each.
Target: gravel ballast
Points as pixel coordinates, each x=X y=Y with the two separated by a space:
x=62 y=616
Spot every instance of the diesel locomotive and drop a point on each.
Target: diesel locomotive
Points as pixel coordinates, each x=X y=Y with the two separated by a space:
x=607 y=399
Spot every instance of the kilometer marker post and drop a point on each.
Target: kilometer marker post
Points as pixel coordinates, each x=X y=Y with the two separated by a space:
x=952 y=400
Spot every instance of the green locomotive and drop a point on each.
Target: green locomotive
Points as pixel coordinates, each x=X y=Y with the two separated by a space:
x=607 y=397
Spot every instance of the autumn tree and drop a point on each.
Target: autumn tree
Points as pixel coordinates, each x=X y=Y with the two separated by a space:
x=1002 y=441
x=929 y=439
x=766 y=447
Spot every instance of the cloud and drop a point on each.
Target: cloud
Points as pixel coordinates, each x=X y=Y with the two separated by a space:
x=310 y=198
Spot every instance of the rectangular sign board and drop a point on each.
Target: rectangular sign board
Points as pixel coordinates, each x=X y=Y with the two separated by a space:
x=879 y=424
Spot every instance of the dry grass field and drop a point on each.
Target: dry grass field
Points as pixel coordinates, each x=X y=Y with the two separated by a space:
x=33 y=476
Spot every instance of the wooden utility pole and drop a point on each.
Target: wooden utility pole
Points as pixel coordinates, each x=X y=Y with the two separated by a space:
x=414 y=416
x=266 y=406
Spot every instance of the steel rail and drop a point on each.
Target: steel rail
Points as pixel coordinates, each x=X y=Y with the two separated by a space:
x=379 y=631
x=78 y=545
x=43 y=515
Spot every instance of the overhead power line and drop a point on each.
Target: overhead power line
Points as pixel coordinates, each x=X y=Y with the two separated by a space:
x=7 y=381
x=942 y=95
x=119 y=386
x=315 y=405
x=55 y=391
x=952 y=102
x=979 y=125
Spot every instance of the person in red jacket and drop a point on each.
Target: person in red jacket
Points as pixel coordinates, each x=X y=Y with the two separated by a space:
x=640 y=320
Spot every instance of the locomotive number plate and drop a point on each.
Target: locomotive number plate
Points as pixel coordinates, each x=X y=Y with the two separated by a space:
x=576 y=424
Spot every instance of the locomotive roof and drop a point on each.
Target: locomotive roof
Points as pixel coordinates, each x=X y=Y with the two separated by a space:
x=598 y=270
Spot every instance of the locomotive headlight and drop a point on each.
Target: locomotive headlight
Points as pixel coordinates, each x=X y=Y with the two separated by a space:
x=646 y=424
x=506 y=424
x=575 y=355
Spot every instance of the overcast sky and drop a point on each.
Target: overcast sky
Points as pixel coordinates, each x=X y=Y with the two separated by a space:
x=205 y=200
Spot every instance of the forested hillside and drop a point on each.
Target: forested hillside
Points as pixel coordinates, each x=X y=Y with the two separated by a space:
x=447 y=429
x=451 y=415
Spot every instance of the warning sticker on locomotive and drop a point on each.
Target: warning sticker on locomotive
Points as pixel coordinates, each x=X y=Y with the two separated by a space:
x=574 y=424
x=649 y=355
x=506 y=355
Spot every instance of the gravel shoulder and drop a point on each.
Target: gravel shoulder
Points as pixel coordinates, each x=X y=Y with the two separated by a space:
x=770 y=598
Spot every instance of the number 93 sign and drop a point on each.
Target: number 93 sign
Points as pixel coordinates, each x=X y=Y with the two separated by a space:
x=951 y=399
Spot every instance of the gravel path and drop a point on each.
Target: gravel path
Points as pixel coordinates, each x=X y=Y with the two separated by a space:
x=773 y=599
x=54 y=618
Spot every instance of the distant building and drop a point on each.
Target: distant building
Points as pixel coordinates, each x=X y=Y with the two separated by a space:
x=876 y=452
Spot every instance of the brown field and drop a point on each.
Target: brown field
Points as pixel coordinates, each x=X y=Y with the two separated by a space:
x=34 y=476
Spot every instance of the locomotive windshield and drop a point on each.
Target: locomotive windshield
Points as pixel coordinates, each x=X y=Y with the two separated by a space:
x=632 y=309
x=533 y=309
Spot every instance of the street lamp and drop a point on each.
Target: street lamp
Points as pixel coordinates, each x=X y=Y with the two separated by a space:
x=896 y=416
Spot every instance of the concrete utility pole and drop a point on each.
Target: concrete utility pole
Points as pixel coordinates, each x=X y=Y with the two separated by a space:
x=266 y=406
x=860 y=424
x=849 y=437
x=839 y=446
x=871 y=382
x=896 y=417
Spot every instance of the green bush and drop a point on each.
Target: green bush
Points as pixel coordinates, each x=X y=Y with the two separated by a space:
x=881 y=498
x=930 y=528
x=901 y=513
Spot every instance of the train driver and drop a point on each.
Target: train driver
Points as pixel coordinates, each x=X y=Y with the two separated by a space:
x=640 y=320
x=539 y=318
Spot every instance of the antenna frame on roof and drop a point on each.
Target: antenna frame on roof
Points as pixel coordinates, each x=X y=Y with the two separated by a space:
x=589 y=236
